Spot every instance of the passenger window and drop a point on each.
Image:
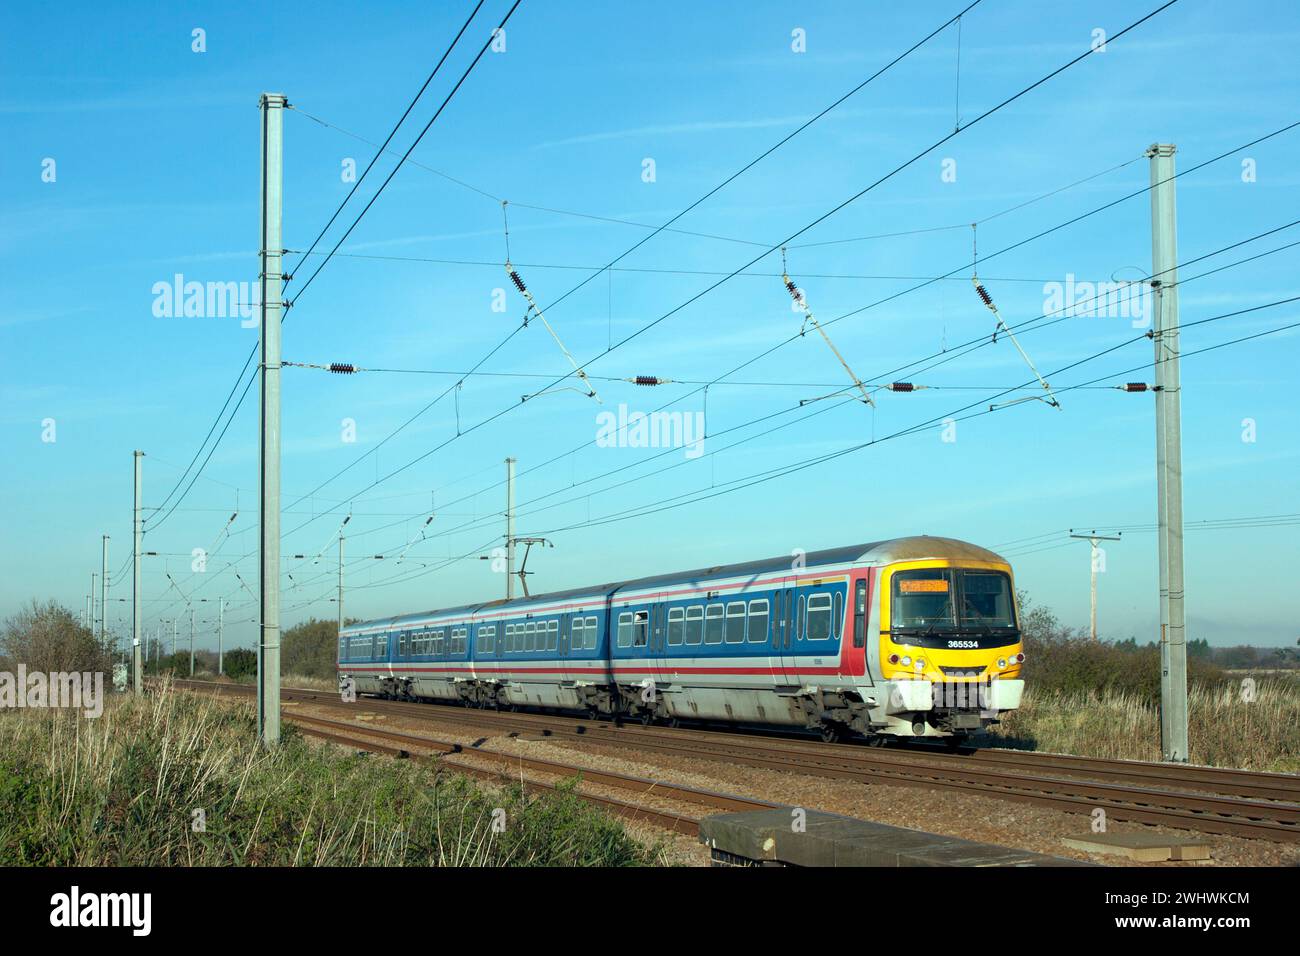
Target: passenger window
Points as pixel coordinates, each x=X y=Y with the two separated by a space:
x=735 y=628
x=694 y=624
x=713 y=624
x=625 y=629
x=591 y=633
x=676 y=625
x=552 y=635
x=758 y=621
x=818 y=624
x=530 y=636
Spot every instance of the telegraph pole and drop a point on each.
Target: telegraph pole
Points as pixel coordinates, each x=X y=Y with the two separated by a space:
x=221 y=623
x=173 y=637
x=1093 y=538
x=103 y=590
x=272 y=279
x=510 y=528
x=137 y=532
x=340 y=633
x=191 y=642
x=1169 y=455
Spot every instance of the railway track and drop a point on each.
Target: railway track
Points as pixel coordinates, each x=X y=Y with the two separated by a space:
x=510 y=767
x=1205 y=799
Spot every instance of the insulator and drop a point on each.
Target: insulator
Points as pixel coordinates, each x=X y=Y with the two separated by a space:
x=794 y=290
x=1135 y=386
x=902 y=387
x=647 y=380
x=340 y=368
x=983 y=294
x=519 y=283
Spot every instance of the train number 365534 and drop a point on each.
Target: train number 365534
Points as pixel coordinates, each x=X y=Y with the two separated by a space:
x=963 y=643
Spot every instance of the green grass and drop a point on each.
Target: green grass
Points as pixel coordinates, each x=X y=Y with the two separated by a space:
x=123 y=790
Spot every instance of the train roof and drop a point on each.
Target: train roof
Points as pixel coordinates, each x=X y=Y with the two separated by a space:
x=912 y=548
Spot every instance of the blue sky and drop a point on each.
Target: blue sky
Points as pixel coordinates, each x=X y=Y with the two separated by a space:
x=155 y=173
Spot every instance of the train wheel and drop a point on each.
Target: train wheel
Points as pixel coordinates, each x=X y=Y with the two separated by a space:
x=832 y=733
x=647 y=718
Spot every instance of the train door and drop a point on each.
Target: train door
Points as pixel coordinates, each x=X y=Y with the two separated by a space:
x=660 y=638
x=861 y=608
x=784 y=623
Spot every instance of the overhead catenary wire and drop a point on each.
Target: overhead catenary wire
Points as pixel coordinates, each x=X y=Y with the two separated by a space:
x=253 y=352
x=875 y=184
x=427 y=126
x=981 y=341
x=984 y=339
x=656 y=231
x=714 y=491
x=1130 y=341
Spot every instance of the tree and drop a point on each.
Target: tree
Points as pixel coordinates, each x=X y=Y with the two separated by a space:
x=48 y=637
x=310 y=648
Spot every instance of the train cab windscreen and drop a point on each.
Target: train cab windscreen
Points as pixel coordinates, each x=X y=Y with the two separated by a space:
x=973 y=603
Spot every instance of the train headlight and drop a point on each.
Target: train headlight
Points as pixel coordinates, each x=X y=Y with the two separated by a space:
x=906 y=661
x=1020 y=658
x=1002 y=662
x=920 y=663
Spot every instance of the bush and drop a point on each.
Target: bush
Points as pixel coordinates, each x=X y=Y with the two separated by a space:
x=1059 y=659
x=240 y=663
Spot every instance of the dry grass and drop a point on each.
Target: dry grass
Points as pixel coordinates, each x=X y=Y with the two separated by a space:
x=1223 y=729
x=286 y=680
x=123 y=790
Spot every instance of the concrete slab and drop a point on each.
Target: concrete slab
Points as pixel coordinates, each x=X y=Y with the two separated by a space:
x=1143 y=847
x=829 y=839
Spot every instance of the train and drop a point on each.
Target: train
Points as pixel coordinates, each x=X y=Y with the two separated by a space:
x=913 y=637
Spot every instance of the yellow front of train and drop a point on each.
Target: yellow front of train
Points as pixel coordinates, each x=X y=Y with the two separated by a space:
x=950 y=651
